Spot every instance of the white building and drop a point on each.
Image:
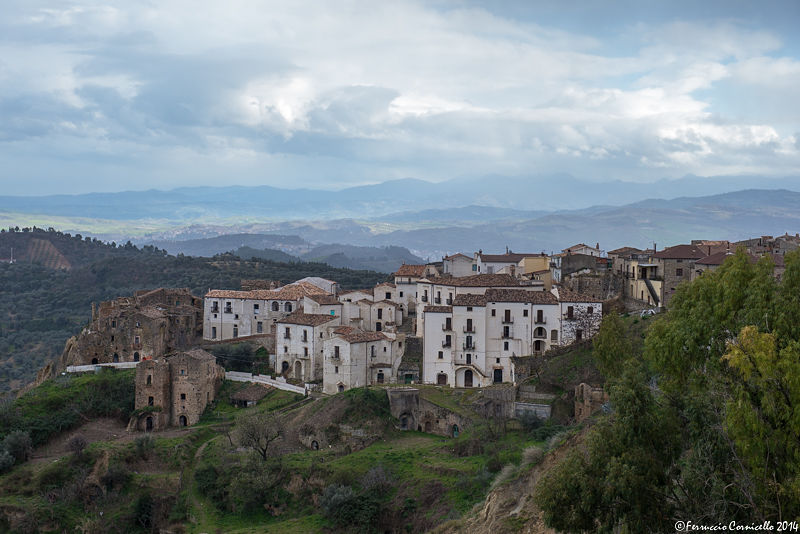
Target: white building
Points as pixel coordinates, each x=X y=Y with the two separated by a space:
x=441 y=291
x=581 y=248
x=299 y=344
x=233 y=314
x=354 y=358
x=493 y=263
x=458 y=265
x=472 y=342
x=405 y=280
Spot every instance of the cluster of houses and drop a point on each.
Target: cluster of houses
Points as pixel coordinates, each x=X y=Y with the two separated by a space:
x=469 y=319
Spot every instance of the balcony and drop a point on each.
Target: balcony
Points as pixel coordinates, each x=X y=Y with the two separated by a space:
x=540 y=320
x=287 y=336
x=228 y=310
x=424 y=298
x=469 y=346
x=507 y=335
x=507 y=320
x=447 y=328
x=449 y=302
x=437 y=300
x=214 y=309
x=469 y=329
x=447 y=344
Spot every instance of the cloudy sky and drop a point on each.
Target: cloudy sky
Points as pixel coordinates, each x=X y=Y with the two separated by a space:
x=99 y=96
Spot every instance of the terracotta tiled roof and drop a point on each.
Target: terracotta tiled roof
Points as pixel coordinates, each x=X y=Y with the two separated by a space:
x=410 y=270
x=324 y=299
x=307 y=319
x=469 y=300
x=625 y=250
x=344 y=329
x=680 y=252
x=438 y=309
x=365 y=291
x=389 y=302
x=566 y=295
x=477 y=280
x=510 y=257
x=520 y=295
x=359 y=336
x=293 y=291
x=720 y=257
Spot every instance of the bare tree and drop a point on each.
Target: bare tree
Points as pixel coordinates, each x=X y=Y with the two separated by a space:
x=259 y=431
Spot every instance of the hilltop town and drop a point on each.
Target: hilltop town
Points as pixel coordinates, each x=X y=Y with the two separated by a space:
x=468 y=321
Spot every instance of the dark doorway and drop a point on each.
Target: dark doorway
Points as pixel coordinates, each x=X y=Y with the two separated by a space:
x=298 y=370
x=136 y=356
x=94 y=361
x=380 y=377
x=284 y=367
x=498 y=376
x=455 y=431
x=441 y=379
x=408 y=378
x=148 y=424
x=468 y=378
x=314 y=446
x=183 y=421
x=428 y=426
x=116 y=358
x=341 y=388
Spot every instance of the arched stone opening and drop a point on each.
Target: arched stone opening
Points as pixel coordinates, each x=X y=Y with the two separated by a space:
x=136 y=356
x=183 y=421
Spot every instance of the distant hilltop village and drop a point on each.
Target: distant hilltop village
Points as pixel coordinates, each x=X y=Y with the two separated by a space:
x=465 y=322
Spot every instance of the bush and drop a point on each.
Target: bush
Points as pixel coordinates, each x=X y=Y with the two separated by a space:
x=143 y=445
x=77 y=445
x=532 y=455
x=143 y=511
x=376 y=479
x=19 y=445
x=6 y=460
x=345 y=508
x=116 y=477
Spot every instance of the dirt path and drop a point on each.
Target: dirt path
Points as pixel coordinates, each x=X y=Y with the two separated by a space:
x=103 y=429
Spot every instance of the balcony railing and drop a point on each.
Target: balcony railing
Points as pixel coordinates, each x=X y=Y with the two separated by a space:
x=469 y=346
x=447 y=328
x=449 y=302
x=469 y=329
x=287 y=336
x=424 y=298
x=508 y=320
x=437 y=300
x=228 y=310
x=446 y=344
x=540 y=320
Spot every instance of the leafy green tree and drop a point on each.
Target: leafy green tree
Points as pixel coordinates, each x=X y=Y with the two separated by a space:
x=611 y=346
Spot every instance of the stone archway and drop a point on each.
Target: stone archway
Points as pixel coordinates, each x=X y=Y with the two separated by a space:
x=183 y=421
x=136 y=356
x=407 y=421
x=468 y=378
x=115 y=359
x=94 y=361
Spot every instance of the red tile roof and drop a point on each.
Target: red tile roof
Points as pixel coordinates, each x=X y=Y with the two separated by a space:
x=307 y=319
x=410 y=270
x=477 y=280
x=566 y=295
x=520 y=295
x=681 y=252
x=469 y=300
x=359 y=336
x=326 y=300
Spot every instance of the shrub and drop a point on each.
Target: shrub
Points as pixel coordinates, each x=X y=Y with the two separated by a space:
x=376 y=479
x=116 y=477
x=532 y=455
x=6 y=460
x=19 y=445
x=143 y=445
x=143 y=511
x=345 y=508
x=77 y=445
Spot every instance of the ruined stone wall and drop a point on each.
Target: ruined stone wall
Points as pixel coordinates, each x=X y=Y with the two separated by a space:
x=195 y=383
x=152 y=390
x=588 y=400
x=416 y=413
x=602 y=286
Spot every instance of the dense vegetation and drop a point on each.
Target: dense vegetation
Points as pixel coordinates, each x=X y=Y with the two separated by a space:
x=42 y=307
x=706 y=421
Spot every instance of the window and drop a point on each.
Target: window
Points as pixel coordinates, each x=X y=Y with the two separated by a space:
x=228 y=308
x=275 y=306
x=259 y=327
x=570 y=312
x=441 y=355
x=336 y=352
x=336 y=369
x=235 y=331
x=213 y=332
x=149 y=379
x=380 y=313
x=287 y=307
x=138 y=324
x=505 y=345
x=150 y=401
x=136 y=340
x=183 y=372
x=286 y=333
x=384 y=349
x=400 y=345
x=448 y=323
x=590 y=310
x=494 y=313
x=114 y=323
x=578 y=334
x=285 y=349
x=497 y=360
x=401 y=293
x=305 y=352
x=305 y=335
x=372 y=351
x=469 y=308
x=215 y=307
x=678 y=272
x=388 y=296
x=236 y=316
x=183 y=396
x=524 y=313
x=474 y=267
x=256 y=309
x=447 y=340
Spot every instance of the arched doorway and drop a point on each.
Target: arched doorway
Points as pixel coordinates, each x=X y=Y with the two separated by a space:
x=298 y=370
x=468 y=378
x=94 y=361
x=115 y=359
x=148 y=424
x=284 y=367
x=406 y=421
x=537 y=345
x=182 y=421
x=341 y=388
x=455 y=431
x=314 y=446
x=136 y=356
x=428 y=426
